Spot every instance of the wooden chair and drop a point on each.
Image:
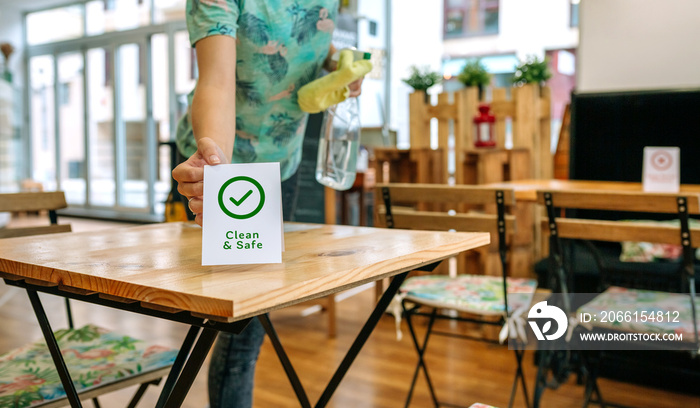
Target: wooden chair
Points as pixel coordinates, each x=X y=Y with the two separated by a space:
x=562 y=224
x=21 y=202
x=99 y=360
x=38 y=201
x=487 y=300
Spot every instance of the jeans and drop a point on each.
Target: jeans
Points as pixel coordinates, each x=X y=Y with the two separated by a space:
x=232 y=367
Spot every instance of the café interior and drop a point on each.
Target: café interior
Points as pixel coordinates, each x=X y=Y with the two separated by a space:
x=522 y=179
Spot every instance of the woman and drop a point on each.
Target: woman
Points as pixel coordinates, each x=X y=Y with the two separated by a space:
x=253 y=56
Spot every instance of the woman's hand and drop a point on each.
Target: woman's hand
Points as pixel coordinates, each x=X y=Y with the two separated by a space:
x=330 y=66
x=190 y=174
x=355 y=88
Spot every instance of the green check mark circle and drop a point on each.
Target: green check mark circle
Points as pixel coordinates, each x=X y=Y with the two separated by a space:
x=238 y=202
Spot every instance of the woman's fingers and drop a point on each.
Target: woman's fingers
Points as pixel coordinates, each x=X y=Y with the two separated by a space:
x=210 y=151
x=196 y=205
x=355 y=88
x=190 y=173
x=191 y=189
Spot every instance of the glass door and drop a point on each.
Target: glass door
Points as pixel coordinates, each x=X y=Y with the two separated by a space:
x=133 y=142
x=98 y=111
x=173 y=73
x=100 y=127
x=71 y=129
x=121 y=148
x=43 y=120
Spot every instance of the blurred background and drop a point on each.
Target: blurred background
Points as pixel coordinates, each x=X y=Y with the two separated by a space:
x=91 y=91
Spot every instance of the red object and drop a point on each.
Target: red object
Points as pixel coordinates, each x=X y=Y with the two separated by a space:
x=483 y=127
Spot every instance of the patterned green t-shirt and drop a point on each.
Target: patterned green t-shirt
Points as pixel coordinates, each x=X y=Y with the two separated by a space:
x=280 y=46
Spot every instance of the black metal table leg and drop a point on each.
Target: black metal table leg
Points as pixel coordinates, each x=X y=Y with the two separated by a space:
x=189 y=372
x=361 y=338
x=350 y=356
x=284 y=359
x=63 y=373
x=178 y=365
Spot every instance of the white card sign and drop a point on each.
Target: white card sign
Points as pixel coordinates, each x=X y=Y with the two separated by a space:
x=662 y=169
x=242 y=214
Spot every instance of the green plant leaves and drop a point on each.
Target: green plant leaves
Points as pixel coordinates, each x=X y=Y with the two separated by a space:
x=474 y=74
x=532 y=71
x=422 y=79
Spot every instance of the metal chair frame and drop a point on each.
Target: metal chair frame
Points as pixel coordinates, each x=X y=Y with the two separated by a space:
x=409 y=311
x=589 y=361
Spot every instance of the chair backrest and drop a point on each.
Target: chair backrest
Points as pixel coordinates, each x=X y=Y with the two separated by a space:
x=452 y=199
x=49 y=201
x=616 y=231
x=456 y=205
x=35 y=201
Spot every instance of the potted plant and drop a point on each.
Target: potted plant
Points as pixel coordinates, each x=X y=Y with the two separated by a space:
x=422 y=79
x=532 y=71
x=6 y=49
x=475 y=74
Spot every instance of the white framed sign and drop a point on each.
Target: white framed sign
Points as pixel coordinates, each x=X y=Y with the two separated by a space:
x=662 y=169
x=242 y=214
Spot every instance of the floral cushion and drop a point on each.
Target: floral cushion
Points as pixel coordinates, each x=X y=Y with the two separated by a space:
x=480 y=405
x=94 y=356
x=470 y=293
x=616 y=299
x=650 y=252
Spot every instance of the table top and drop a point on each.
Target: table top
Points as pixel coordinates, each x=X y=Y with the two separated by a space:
x=526 y=190
x=160 y=265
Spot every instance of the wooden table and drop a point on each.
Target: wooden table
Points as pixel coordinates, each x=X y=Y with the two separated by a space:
x=526 y=190
x=156 y=270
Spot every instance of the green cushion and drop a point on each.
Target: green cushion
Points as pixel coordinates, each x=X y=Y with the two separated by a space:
x=94 y=356
x=477 y=294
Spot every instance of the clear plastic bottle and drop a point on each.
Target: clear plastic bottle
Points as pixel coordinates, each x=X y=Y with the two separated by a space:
x=338 y=146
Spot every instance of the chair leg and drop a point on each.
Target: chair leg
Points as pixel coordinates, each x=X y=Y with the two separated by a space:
x=139 y=393
x=519 y=375
x=591 y=366
x=541 y=377
x=96 y=402
x=330 y=309
x=420 y=351
x=378 y=289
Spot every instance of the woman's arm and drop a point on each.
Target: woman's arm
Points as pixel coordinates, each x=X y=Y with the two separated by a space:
x=213 y=116
x=214 y=102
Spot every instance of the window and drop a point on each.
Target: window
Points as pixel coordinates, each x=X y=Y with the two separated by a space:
x=574 y=13
x=168 y=10
x=470 y=17
x=102 y=102
x=105 y=16
x=454 y=22
x=63 y=23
